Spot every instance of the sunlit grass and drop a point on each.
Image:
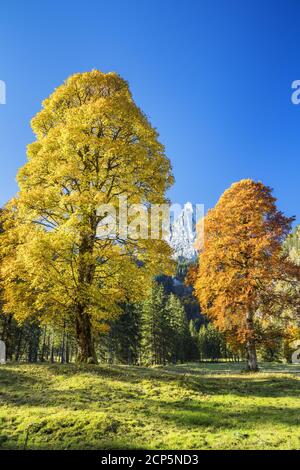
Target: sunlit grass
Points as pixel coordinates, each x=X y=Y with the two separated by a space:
x=193 y=406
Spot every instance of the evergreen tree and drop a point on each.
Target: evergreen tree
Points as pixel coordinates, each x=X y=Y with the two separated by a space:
x=124 y=335
x=166 y=336
x=210 y=342
x=153 y=326
x=175 y=331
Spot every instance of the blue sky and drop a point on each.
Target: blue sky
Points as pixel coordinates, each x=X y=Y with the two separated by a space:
x=213 y=77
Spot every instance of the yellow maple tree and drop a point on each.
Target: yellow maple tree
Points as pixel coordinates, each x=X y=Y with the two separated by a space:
x=93 y=145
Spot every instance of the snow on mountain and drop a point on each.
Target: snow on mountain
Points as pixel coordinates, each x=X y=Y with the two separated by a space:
x=183 y=233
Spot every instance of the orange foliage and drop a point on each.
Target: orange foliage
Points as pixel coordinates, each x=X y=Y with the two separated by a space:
x=243 y=278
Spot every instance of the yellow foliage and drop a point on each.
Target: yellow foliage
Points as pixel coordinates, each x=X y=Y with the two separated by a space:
x=92 y=145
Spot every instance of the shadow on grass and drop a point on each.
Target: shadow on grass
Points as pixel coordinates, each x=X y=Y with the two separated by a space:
x=219 y=416
x=128 y=398
x=19 y=387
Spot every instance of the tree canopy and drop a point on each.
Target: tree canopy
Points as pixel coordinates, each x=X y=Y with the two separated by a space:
x=93 y=145
x=242 y=268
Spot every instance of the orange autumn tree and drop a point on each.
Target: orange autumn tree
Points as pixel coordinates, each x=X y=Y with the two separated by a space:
x=242 y=270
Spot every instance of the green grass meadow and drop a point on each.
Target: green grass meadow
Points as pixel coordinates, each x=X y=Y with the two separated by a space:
x=192 y=406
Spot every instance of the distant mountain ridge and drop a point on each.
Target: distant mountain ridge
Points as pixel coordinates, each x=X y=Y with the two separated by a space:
x=183 y=233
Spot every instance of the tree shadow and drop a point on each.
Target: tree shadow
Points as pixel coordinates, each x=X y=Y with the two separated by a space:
x=120 y=391
x=219 y=416
x=20 y=388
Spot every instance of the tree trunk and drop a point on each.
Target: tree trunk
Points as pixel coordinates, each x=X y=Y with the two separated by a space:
x=86 y=270
x=19 y=343
x=86 y=350
x=67 y=349
x=33 y=346
x=52 y=349
x=252 y=364
x=63 y=345
x=129 y=357
x=42 y=357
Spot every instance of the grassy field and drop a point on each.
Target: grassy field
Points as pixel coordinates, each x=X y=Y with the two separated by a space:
x=193 y=406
